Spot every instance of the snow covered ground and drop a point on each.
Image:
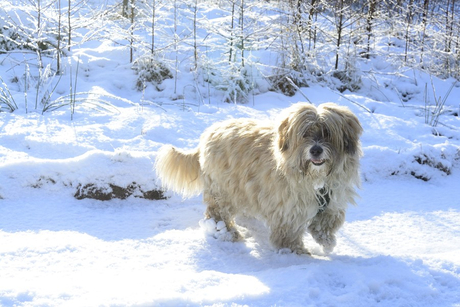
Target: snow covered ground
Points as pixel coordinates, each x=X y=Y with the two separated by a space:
x=399 y=247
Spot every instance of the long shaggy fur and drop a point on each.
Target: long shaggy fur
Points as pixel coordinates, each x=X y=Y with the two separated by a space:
x=296 y=174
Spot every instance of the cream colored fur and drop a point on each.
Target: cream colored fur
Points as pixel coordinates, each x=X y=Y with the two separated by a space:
x=274 y=171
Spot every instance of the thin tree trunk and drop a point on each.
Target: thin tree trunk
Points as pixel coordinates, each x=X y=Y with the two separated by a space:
x=231 y=32
x=176 y=42
x=311 y=29
x=298 y=24
x=58 y=55
x=39 y=54
x=69 y=43
x=339 y=33
x=124 y=9
x=242 y=32
x=409 y=21
x=153 y=27
x=195 y=45
x=131 y=40
x=370 y=19
x=424 y=22
x=449 y=24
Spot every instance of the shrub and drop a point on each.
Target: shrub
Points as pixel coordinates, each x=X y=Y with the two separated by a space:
x=150 y=70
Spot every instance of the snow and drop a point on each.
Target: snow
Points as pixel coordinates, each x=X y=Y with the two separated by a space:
x=399 y=246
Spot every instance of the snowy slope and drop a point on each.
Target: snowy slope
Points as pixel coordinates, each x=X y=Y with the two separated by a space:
x=399 y=246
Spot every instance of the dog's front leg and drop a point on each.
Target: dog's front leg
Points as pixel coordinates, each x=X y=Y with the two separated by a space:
x=324 y=226
x=286 y=239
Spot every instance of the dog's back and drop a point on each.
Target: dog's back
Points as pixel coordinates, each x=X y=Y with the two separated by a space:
x=221 y=150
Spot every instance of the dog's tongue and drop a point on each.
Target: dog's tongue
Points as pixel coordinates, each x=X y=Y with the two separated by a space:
x=317 y=162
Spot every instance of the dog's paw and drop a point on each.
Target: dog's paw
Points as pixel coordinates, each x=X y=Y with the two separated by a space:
x=297 y=250
x=302 y=251
x=327 y=249
x=328 y=242
x=284 y=251
x=219 y=230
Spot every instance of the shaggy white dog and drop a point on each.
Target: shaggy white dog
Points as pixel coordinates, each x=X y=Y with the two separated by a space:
x=297 y=173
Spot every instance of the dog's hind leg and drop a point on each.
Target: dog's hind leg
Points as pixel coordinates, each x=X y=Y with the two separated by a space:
x=220 y=211
x=324 y=226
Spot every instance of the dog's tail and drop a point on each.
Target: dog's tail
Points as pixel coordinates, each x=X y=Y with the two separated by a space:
x=179 y=170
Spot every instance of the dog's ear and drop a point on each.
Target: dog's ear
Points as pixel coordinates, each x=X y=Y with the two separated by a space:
x=352 y=130
x=293 y=123
x=283 y=129
x=349 y=125
x=350 y=144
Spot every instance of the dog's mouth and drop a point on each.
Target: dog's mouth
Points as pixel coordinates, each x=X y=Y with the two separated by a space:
x=317 y=162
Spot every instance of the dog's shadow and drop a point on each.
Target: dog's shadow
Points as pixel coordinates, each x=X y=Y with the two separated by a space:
x=324 y=279
x=254 y=251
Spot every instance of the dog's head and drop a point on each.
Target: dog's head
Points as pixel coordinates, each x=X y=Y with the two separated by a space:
x=311 y=138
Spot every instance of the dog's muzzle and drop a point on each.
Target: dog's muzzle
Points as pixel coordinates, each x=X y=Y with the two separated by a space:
x=316 y=153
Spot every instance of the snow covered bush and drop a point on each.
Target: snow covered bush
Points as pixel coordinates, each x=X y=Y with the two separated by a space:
x=6 y=99
x=150 y=70
x=344 y=80
x=235 y=83
x=284 y=83
x=8 y=40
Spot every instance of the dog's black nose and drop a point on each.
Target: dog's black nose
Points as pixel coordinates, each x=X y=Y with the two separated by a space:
x=316 y=150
